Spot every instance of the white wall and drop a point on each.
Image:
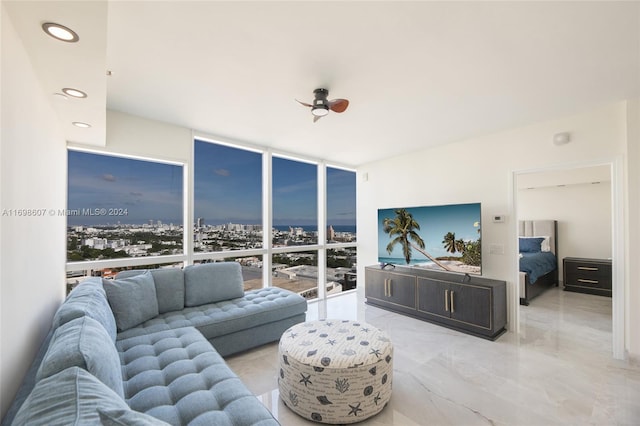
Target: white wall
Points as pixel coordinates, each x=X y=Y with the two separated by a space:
x=632 y=213
x=137 y=136
x=481 y=169
x=33 y=176
x=583 y=213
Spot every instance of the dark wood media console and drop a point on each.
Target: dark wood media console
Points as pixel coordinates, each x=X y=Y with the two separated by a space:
x=467 y=303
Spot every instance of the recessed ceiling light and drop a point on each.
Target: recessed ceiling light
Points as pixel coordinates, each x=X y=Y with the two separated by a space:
x=81 y=124
x=74 y=92
x=60 y=32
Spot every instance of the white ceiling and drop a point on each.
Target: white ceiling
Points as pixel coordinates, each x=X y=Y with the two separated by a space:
x=418 y=74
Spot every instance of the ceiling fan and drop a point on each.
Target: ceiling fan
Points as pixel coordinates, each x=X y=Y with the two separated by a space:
x=321 y=106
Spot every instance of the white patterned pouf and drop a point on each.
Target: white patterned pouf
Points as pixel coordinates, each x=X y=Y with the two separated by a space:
x=335 y=371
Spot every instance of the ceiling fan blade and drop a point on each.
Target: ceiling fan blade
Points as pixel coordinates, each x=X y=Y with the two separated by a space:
x=317 y=117
x=338 y=105
x=304 y=104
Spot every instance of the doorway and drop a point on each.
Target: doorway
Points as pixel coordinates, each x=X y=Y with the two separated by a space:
x=530 y=190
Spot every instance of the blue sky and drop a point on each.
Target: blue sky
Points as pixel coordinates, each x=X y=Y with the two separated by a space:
x=146 y=189
x=228 y=184
x=435 y=222
x=228 y=188
x=341 y=197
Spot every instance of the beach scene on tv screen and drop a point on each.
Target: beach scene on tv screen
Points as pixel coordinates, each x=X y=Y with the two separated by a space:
x=437 y=237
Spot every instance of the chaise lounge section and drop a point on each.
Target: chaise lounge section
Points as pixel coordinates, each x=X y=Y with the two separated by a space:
x=139 y=350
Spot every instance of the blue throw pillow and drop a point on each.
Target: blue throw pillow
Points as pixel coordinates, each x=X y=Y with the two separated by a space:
x=87 y=299
x=212 y=282
x=133 y=300
x=530 y=245
x=83 y=343
x=70 y=397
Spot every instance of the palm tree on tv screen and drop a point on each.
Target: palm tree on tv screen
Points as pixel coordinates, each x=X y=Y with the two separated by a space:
x=402 y=229
x=450 y=243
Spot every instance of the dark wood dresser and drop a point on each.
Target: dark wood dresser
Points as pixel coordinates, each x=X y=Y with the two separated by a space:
x=591 y=276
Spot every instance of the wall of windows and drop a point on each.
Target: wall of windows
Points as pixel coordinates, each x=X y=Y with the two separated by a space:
x=289 y=222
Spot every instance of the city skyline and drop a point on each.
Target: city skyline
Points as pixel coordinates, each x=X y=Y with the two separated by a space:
x=227 y=189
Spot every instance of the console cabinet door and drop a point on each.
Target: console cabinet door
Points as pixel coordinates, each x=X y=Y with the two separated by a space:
x=374 y=284
x=470 y=305
x=390 y=288
x=433 y=297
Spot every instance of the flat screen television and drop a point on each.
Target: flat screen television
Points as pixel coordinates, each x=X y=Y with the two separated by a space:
x=443 y=237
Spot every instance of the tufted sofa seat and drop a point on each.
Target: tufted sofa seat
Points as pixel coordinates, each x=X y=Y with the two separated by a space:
x=138 y=350
x=174 y=376
x=233 y=325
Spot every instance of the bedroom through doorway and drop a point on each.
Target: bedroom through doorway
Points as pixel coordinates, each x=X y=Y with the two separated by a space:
x=581 y=201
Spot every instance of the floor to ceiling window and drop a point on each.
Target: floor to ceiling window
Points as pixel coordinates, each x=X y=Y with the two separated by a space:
x=294 y=195
x=341 y=230
x=122 y=213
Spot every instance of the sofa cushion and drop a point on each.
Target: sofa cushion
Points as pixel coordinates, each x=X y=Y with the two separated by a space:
x=69 y=397
x=177 y=376
x=83 y=343
x=257 y=307
x=212 y=282
x=169 y=287
x=87 y=299
x=127 y=417
x=133 y=300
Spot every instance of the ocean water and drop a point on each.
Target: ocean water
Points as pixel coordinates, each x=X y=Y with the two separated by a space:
x=402 y=261
x=313 y=228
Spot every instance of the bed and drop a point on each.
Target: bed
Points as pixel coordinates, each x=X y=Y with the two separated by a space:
x=538 y=258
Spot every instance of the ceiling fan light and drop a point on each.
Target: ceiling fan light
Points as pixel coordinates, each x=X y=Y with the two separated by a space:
x=320 y=111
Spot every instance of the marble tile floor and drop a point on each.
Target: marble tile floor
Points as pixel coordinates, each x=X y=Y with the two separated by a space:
x=559 y=371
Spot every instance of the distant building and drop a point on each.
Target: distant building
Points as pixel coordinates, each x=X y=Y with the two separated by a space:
x=331 y=234
x=296 y=232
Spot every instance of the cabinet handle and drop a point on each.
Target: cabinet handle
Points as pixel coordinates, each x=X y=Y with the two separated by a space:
x=389 y=287
x=587 y=281
x=587 y=268
x=386 y=281
x=446 y=300
x=452 y=309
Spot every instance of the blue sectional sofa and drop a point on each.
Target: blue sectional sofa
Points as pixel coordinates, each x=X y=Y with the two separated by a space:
x=147 y=347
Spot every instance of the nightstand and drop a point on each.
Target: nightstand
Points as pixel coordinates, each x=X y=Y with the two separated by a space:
x=591 y=276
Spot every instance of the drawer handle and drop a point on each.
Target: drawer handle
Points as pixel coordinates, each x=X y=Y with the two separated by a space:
x=452 y=310
x=587 y=281
x=387 y=287
x=446 y=300
x=587 y=268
